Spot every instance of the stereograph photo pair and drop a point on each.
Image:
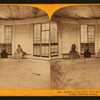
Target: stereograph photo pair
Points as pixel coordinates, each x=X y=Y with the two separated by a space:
x=60 y=54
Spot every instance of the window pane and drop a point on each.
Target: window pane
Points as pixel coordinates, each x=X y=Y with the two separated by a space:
x=83 y=33
x=36 y=39
x=45 y=36
x=92 y=48
x=91 y=40
x=9 y=48
x=54 y=50
x=90 y=33
x=45 y=40
x=37 y=50
x=53 y=32
x=83 y=46
x=8 y=39
x=1 y=34
x=45 y=51
x=8 y=31
x=45 y=26
x=53 y=39
x=37 y=30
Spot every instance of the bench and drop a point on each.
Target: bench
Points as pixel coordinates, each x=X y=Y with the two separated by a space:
x=65 y=55
x=26 y=55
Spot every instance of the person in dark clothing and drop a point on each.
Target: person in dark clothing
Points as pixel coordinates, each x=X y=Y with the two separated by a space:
x=4 y=54
x=73 y=54
x=87 y=53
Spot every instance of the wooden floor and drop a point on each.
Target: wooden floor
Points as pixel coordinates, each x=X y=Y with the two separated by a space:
x=24 y=74
x=77 y=74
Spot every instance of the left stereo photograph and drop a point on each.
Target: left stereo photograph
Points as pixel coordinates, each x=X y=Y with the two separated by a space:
x=24 y=48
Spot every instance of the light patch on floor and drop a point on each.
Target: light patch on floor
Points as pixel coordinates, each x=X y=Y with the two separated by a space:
x=76 y=74
x=24 y=74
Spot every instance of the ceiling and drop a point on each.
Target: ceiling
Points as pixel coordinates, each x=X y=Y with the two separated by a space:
x=79 y=12
x=20 y=12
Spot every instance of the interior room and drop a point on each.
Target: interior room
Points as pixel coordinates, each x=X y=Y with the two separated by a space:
x=78 y=25
x=24 y=31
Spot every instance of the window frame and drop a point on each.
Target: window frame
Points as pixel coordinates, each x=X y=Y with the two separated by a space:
x=41 y=44
x=56 y=44
x=4 y=38
x=87 y=38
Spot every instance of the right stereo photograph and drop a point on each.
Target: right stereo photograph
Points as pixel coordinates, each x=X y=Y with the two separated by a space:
x=75 y=48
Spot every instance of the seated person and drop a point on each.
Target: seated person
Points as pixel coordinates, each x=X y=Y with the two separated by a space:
x=87 y=53
x=4 y=54
x=19 y=52
x=73 y=54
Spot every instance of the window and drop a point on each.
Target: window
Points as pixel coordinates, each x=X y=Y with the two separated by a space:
x=41 y=40
x=87 y=37
x=6 y=38
x=37 y=41
x=45 y=34
x=45 y=40
x=53 y=39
